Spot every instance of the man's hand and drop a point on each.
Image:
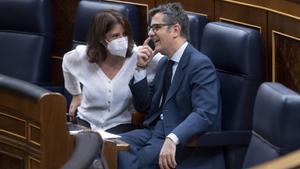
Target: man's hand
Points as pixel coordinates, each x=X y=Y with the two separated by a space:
x=167 y=155
x=145 y=54
x=76 y=100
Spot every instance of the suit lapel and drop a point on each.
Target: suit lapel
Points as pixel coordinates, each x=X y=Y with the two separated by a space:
x=178 y=76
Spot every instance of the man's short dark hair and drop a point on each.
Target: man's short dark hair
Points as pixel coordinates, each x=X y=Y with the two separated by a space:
x=173 y=13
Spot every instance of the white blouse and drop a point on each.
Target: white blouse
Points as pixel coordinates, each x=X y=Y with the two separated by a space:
x=105 y=103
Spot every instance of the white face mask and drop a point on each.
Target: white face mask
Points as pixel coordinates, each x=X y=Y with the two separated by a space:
x=118 y=46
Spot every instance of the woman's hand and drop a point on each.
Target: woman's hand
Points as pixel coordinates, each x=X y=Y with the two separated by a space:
x=75 y=103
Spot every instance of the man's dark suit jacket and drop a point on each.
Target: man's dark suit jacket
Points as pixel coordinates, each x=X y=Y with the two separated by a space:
x=192 y=105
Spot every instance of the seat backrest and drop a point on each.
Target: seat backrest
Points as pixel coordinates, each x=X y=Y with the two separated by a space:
x=87 y=9
x=197 y=23
x=33 y=130
x=275 y=125
x=236 y=54
x=25 y=39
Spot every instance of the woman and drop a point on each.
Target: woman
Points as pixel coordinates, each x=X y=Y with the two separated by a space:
x=97 y=75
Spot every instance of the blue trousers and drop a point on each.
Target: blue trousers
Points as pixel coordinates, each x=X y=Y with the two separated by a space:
x=145 y=146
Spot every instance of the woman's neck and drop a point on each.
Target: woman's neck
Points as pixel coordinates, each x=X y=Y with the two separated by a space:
x=113 y=61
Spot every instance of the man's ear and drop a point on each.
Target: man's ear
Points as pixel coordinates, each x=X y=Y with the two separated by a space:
x=176 y=30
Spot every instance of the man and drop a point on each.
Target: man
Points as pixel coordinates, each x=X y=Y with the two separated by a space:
x=178 y=110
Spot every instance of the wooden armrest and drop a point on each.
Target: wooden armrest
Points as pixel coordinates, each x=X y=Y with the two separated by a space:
x=291 y=160
x=87 y=146
x=110 y=152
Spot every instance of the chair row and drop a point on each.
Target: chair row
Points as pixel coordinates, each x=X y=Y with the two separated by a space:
x=26 y=34
x=26 y=40
x=236 y=54
x=33 y=130
x=87 y=9
x=250 y=109
x=235 y=51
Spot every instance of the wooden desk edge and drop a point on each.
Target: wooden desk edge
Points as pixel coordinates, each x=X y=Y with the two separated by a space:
x=110 y=152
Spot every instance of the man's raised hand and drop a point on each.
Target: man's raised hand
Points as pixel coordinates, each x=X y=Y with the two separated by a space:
x=145 y=54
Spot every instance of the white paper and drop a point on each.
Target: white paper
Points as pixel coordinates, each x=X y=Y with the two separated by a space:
x=107 y=135
x=104 y=134
x=74 y=132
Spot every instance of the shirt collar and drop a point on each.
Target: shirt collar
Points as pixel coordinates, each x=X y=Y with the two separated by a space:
x=178 y=54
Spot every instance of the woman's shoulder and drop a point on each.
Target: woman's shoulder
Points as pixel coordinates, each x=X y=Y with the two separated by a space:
x=77 y=54
x=134 y=51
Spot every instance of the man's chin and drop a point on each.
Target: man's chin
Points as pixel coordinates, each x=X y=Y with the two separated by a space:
x=157 y=49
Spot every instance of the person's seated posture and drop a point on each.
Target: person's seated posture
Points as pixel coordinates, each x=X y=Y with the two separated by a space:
x=97 y=75
x=182 y=101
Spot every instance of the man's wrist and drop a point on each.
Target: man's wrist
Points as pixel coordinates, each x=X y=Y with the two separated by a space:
x=174 y=138
x=140 y=66
x=139 y=69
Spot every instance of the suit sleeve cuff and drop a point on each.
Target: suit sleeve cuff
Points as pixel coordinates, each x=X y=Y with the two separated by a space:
x=174 y=138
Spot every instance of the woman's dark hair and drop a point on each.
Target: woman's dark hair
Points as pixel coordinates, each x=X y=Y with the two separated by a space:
x=101 y=24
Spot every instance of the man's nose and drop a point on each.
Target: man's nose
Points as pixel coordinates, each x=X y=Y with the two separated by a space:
x=150 y=33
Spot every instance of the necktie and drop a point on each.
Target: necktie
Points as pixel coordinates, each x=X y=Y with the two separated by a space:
x=167 y=80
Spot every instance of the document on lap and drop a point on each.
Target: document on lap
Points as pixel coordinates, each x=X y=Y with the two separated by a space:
x=105 y=135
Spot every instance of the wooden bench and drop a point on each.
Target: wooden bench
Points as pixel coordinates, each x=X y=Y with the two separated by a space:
x=33 y=130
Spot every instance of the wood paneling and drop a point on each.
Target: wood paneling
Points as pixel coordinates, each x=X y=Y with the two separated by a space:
x=64 y=18
x=284 y=44
x=288 y=7
x=57 y=74
x=19 y=128
x=149 y=3
x=143 y=6
x=28 y=136
x=12 y=161
x=205 y=7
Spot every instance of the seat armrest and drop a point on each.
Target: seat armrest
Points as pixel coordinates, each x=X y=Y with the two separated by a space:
x=87 y=146
x=290 y=160
x=110 y=152
x=137 y=118
x=221 y=138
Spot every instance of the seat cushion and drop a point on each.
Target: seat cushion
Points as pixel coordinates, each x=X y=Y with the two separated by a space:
x=275 y=123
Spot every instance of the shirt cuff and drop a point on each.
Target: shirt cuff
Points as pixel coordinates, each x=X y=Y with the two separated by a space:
x=174 y=138
x=139 y=75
